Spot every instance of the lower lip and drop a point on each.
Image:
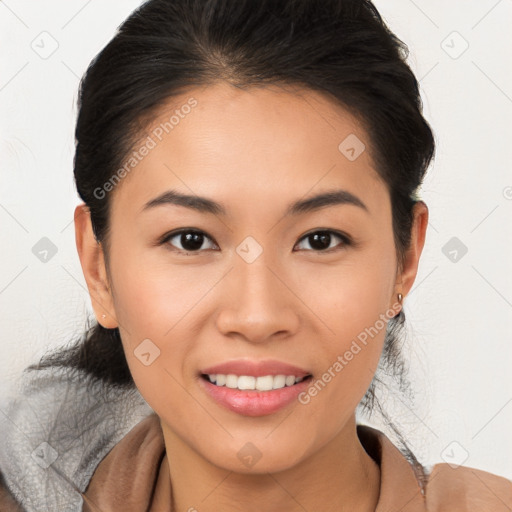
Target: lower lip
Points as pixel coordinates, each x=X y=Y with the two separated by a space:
x=252 y=402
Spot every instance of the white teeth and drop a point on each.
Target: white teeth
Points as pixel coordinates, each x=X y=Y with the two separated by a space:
x=244 y=382
x=279 y=382
x=231 y=381
x=264 y=383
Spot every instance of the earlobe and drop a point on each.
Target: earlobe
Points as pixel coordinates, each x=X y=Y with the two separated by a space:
x=405 y=278
x=92 y=261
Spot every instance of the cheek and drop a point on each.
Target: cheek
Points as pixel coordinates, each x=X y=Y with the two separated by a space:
x=346 y=361
x=152 y=306
x=354 y=309
x=352 y=298
x=153 y=299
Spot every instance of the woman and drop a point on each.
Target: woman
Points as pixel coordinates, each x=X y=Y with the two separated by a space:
x=250 y=227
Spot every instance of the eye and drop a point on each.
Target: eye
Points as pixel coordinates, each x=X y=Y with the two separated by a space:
x=190 y=240
x=320 y=241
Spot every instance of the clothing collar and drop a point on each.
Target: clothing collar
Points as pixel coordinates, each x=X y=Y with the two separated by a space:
x=135 y=473
x=401 y=488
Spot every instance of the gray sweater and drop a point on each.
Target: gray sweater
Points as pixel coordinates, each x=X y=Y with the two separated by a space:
x=55 y=429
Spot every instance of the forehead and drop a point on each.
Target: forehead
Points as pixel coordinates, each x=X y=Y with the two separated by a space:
x=270 y=142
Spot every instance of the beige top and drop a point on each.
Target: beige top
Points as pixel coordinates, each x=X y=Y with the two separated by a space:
x=134 y=477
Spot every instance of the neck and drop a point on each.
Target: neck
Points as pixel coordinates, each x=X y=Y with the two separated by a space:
x=341 y=476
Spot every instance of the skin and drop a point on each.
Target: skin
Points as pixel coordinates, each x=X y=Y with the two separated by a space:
x=255 y=151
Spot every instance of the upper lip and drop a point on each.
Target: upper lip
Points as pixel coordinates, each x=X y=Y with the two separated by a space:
x=255 y=368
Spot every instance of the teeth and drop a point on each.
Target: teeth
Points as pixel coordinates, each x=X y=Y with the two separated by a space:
x=231 y=381
x=244 y=382
x=290 y=380
x=279 y=381
x=264 y=383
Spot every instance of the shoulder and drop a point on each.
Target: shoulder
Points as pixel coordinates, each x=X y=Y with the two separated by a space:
x=56 y=427
x=463 y=489
x=7 y=501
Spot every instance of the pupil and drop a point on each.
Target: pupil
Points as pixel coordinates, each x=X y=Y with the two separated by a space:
x=194 y=241
x=320 y=240
x=191 y=241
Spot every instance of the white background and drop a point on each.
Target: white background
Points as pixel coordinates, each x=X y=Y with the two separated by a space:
x=459 y=313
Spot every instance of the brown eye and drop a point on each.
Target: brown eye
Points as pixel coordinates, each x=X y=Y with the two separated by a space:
x=187 y=240
x=321 y=241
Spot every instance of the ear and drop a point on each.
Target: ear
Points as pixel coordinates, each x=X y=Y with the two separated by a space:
x=92 y=260
x=406 y=277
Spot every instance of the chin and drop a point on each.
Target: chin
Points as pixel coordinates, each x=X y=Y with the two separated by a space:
x=256 y=458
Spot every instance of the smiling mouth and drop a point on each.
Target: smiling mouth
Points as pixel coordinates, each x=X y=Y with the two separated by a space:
x=252 y=383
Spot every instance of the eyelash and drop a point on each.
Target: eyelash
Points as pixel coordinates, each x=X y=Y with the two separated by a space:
x=347 y=241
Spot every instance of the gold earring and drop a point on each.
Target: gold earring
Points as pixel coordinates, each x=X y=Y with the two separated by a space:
x=400 y=297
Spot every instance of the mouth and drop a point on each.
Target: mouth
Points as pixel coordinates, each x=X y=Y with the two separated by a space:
x=251 y=395
x=251 y=387
x=252 y=382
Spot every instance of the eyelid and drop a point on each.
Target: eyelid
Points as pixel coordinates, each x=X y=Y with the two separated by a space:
x=171 y=234
x=346 y=239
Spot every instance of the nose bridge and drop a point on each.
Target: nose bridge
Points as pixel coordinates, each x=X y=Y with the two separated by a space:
x=256 y=285
x=259 y=303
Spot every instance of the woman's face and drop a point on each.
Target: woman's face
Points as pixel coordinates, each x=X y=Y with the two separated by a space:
x=254 y=285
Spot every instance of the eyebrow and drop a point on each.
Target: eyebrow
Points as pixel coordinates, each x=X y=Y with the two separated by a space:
x=206 y=205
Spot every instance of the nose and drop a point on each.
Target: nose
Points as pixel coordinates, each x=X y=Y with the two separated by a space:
x=259 y=302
